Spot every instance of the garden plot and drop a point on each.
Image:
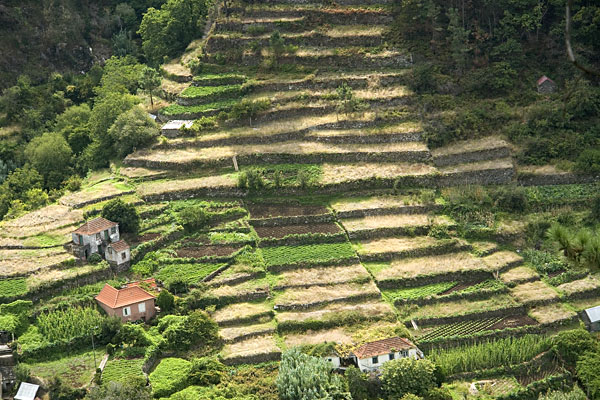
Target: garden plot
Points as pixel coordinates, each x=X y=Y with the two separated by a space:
x=242 y=292
x=467 y=308
x=411 y=268
x=25 y=262
x=277 y=153
x=310 y=337
x=519 y=275
x=279 y=232
x=340 y=173
x=235 y=314
x=314 y=296
x=289 y=257
x=502 y=260
x=263 y=211
x=76 y=370
x=322 y=276
x=389 y=248
x=123 y=371
x=236 y=334
x=183 y=186
x=552 y=313
x=254 y=350
x=95 y=193
x=534 y=292
x=589 y=284
x=207 y=251
x=389 y=225
x=43 y=220
x=172 y=275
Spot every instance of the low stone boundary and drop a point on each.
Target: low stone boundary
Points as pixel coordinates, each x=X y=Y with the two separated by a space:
x=471 y=156
x=293 y=220
x=315 y=304
x=445 y=247
x=415 y=209
x=321 y=15
x=253 y=359
x=310 y=238
x=378 y=233
x=250 y=335
x=246 y=320
x=368 y=138
x=502 y=312
x=96 y=200
x=421 y=280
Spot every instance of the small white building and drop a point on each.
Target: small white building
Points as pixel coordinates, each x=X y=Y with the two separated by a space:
x=174 y=127
x=371 y=356
x=591 y=318
x=118 y=253
x=27 y=391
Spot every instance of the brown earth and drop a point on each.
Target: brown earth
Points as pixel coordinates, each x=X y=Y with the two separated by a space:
x=514 y=322
x=276 y=210
x=282 y=231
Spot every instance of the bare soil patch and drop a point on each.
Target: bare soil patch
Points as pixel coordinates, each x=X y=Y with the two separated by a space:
x=279 y=232
x=513 y=322
x=277 y=210
x=206 y=251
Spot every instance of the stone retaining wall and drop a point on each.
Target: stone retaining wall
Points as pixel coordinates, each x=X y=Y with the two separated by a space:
x=444 y=248
x=253 y=359
x=293 y=220
x=415 y=209
x=297 y=240
x=314 y=304
x=421 y=280
x=529 y=179
x=471 y=156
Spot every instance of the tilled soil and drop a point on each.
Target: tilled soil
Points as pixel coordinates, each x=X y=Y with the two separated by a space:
x=514 y=322
x=206 y=251
x=282 y=231
x=147 y=237
x=268 y=211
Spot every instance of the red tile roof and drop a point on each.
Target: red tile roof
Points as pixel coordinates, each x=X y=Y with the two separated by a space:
x=94 y=226
x=544 y=79
x=119 y=246
x=381 y=347
x=115 y=298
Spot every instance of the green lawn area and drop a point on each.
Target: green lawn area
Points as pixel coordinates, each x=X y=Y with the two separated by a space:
x=75 y=370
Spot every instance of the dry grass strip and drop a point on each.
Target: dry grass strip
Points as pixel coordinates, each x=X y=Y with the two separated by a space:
x=505 y=163
x=138 y=172
x=518 y=274
x=21 y=262
x=487 y=143
x=551 y=313
x=533 y=291
x=53 y=275
x=40 y=221
x=337 y=335
x=338 y=173
x=462 y=307
x=166 y=186
x=379 y=246
x=430 y=265
x=404 y=127
x=315 y=294
x=590 y=282
x=501 y=259
x=92 y=193
x=258 y=345
x=370 y=309
x=393 y=221
x=240 y=310
x=235 y=332
x=329 y=275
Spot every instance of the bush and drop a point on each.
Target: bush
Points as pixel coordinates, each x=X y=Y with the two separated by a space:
x=588 y=162
x=119 y=391
x=206 y=371
x=588 y=370
x=407 y=376
x=512 y=199
x=193 y=218
x=185 y=332
x=170 y=376
x=122 y=213
x=73 y=183
x=94 y=258
x=571 y=345
x=165 y=301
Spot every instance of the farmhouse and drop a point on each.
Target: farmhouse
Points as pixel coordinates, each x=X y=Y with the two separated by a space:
x=546 y=85
x=130 y=304
x=591 y=318
x=100 y=236
x=371 y=356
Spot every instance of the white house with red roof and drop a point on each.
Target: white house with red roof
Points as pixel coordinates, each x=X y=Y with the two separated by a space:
x=101 y=236
x=131 y=303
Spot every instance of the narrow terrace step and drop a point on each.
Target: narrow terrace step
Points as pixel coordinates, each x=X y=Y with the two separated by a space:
x=340 y=2
x=485 y=149
x=380 y=205
x=379 y=226
x=494 y=172
x=319 y=296
x=279 y=153
x=242 y=313
x=261 y=25
x=396 y=248
x=333 y=16
x=238 y=334
x=251 y=351
x=311 y=277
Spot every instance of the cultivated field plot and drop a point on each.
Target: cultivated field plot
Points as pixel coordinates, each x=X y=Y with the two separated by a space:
x=241 y=312
x=519 y=274
x=534 y=292
x=304 y=254
x=322 y=276
x=190 y=274
x=478 y=166
x=76 y=370
x=378 y=203
x=279 y=232
x=239 y=292
x=24 y=262
x=467 y=146
x=367 y=310
x=206 y=251
x=362 y=226
x=54 y=275
x=460 y=307
x=340 y=173
x=41 y=221
x=551 y=313
x=391 y=132
x=318 y=295
x=123 y=370
x=260 y=211
x=502 y=260
x=182 y=185
x=387 y=248
x=427 y=266
x=95 y=193
x=587 y=284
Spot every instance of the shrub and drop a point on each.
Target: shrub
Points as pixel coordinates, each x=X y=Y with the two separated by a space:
x=169 y=376
x=73 y=183
x=119 y=391
x=165 y=301
x=122 y=213
x=588 y=370
x=94 y=258
x=512 y=199
x=588 y=162
x=196 y=328
x=193 y=218
x=407 y=376
x=571 y=345
x=206 y=371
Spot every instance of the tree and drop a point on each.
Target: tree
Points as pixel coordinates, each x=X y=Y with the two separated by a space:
x=50 y=155
x=193 y=217
x=133 y=335
x=570 y=345
x=165 y=300
x=119 y=391
x=124 y=214
x=16 y=185
x=407 y=375
x=150 y=81
x=303 y=377
x=132 y=129
x=196 y=328
x=73 y=124
x=588 y=370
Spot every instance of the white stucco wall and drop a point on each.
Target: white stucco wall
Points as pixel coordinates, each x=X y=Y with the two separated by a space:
x=116 y=257
x=366 y=364
x=334 y=360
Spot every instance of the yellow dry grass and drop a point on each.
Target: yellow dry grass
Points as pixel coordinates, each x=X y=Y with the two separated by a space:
x=378 y=246
x=503 y=163
x=533 y=291
x=339 y=173
x=401 y=128
x=388 y=92
x=462 y=307
x=22 y=262
x=487 y=143
x=584 y=304
x=93 y=193
x=582 y=285
x=53 y=275
x=551 y=313
x=352 y=30
x=237 y=331
x=518 y=274
x=166 y=186
x=257 y=345
x=393 y=221
x=240 y=310
x=40 y=221
x=500 y=259
x=292 y=147
x=484 y=247
x=349 y=51
x=136 y=172
x=325 y=293
x=329 y=275
x=372 y=203
x=430 y=265
x=337 y=335
x=541 y=169
x=371 y=309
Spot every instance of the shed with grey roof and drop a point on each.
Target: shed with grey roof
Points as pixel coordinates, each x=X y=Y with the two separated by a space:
x=591 y=318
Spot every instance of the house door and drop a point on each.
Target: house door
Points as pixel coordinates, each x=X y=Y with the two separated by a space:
x=85 y=254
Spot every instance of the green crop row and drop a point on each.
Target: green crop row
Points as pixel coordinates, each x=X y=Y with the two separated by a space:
x=123 y=371
x=68 y=323
x=203 y=92
x=10 y=288
x=562 y=193
x=223 y=79
x=176 y=109
x=284 y=255
x=490 y=284
x=186 y=274
x=461 y=329
x=418 y=292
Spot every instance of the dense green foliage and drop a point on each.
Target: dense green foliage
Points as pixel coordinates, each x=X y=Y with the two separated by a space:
x=125 y=372
x=125 y=214
x=407 y=376
x=132 y=129
x=119 y=391
x=169 y=376
x=69 y=323
x=307 y=253
x=196 y=329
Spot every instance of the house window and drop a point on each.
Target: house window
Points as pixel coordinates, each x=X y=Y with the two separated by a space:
x=142 y=307
x=375 y=360
x=110 y=250
x=76 y=239
x=98 y=236
x=404 y=353
x=392 y=356
x=123 y=255
x=113 y=230
x=126 y=311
